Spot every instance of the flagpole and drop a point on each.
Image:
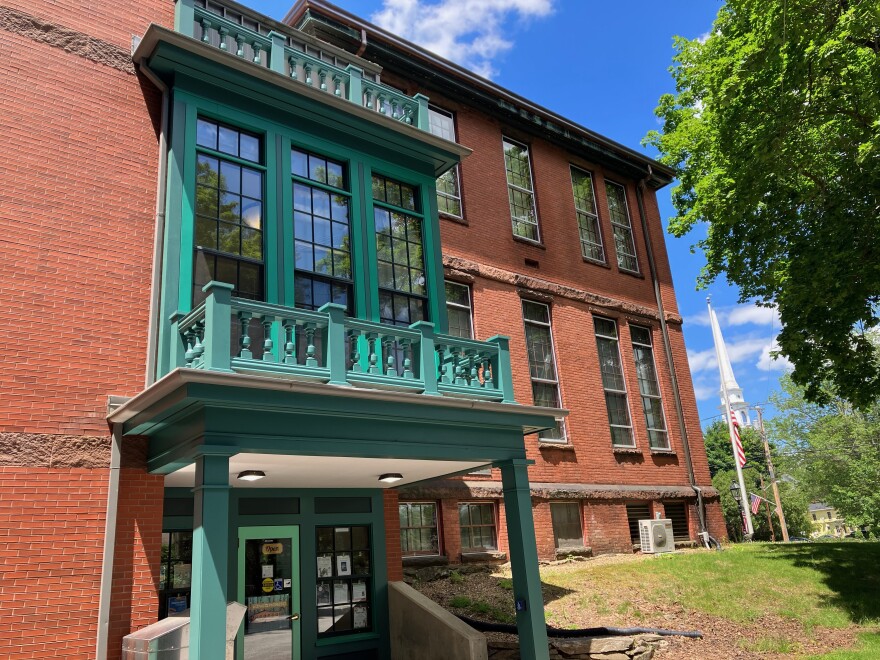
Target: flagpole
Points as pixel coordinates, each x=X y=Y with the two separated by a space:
x=746 y=510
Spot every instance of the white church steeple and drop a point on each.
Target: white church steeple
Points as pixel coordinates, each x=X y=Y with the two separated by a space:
x=734 y=391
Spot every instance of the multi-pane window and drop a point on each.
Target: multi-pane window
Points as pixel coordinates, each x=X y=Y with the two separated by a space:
x=477 y=521
x=418 y=529
x=542 y=362
x=613 y=383
x=402 y=286
x=322 y=231
x=566 y=517
x=649 y=387
x=587 y=218
x=623 y=235
x=520 y=190
x=448 y=184
x=175 y=573
x=458 y=310
x=228 y=228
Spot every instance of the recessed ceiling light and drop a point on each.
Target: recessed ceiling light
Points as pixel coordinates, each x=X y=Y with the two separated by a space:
x=391 y=477
x=251 y=475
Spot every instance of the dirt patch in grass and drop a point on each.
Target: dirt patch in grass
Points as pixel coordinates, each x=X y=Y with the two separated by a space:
x=582 y=594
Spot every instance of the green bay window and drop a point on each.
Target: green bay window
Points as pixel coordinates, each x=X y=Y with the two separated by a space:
x=228 y=227
x=322 y=231
x=403 y=293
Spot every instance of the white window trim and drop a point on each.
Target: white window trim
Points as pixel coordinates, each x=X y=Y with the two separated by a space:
x=616 y=341
x=470 y=306
x=658 y=396
x=628 y=227
x=455 y=170
x=530 y=193
x=593 y=214
x=562 y=426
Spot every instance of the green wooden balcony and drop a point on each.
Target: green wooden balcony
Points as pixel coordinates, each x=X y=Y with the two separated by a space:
x=245 y=34
x=326 y=346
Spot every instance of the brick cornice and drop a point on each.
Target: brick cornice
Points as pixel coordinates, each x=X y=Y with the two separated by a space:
x=457 y=267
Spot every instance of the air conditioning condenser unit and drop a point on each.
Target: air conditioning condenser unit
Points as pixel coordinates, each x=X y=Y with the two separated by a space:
x=656 y=536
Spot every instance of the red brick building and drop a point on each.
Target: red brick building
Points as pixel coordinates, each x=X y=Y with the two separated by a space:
x=549 y=234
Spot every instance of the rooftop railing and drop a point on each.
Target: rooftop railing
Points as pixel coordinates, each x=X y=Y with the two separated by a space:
x=242 y=33
x=234 y=335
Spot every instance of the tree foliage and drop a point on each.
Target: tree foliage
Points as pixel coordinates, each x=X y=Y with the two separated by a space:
x=774 y=133
x=719 y=450
x=833 y=450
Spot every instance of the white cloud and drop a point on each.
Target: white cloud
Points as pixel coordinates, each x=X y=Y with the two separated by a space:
x=738 y=349
x=749 y=314
x=766 y=362
x=470 y=32
x=705 y=391
x=702 y=360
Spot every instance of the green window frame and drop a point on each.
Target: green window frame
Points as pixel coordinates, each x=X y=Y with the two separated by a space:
x=589 y=232
x=400 y=252
x=228 y=223
x=624 y=242
x=344 y=575
x=649 y=387
x=175 y=572
x=322 y=230
x=521 y=190
x=613 y=382
x=477 y=524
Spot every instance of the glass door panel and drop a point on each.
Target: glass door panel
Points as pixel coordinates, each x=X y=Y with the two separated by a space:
x=269 y=588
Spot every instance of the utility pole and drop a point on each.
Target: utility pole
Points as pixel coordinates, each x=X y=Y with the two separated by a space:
x=767 y=511
x=773 y=483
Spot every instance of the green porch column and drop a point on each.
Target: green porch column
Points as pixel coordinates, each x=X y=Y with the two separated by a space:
x=530 y=620
x=210 y=556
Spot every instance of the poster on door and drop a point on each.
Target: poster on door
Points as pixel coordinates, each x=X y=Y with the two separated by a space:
x=261 y=609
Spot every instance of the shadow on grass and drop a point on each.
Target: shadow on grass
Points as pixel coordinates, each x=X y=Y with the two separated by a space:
x=850 y=570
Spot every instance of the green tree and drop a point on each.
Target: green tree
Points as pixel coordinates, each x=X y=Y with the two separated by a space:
x=774 y=134
x=720 y=453
x=833 y=450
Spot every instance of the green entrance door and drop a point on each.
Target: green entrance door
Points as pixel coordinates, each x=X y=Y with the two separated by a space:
x=269 y=586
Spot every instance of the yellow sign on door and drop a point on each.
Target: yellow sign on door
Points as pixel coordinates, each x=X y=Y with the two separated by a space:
x=272 y=548
x=268 y=585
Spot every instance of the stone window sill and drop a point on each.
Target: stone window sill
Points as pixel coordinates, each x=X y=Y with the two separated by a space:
x=482 y=556
x=627 y=450
x=419 y=561
x=582 y=551
x=601 y=264
x=529 y=241
x=631 y=273
x=562 y=446
x=664 y=452
x=453 y=218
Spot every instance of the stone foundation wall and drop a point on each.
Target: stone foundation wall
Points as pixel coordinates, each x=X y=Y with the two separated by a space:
x=637 y=647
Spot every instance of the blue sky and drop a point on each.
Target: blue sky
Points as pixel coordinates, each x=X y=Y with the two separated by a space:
x=604 y=65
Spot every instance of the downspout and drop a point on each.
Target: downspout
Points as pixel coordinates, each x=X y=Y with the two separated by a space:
x=159 y=231
x=363 y=46
x=667 y=346
x=101 y=647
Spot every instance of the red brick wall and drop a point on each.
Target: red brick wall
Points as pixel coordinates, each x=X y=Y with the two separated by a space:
x=79 y=166
x=134 y=600
x=51 y=543
x=392 y=536
x=607 y=527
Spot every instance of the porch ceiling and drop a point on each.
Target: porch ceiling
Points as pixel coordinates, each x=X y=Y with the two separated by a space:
x=325 y=471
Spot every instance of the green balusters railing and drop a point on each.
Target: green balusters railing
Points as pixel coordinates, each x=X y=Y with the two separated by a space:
x=234 y=335
x=259 y=39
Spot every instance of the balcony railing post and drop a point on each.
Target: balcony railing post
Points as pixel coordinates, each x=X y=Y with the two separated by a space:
x=423 y=121
x=355 y=88
x=427 y=356
x=335 y=357
x=503 y=375
x=184 y=17
x=276 y=55
x=176 y=347
x=218 y=323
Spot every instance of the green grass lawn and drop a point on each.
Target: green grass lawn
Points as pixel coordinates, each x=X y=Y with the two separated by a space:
x=757 y=600
x=817 y=586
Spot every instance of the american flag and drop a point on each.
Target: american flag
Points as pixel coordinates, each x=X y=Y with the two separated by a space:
x=739 y=453
x=756 y=503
